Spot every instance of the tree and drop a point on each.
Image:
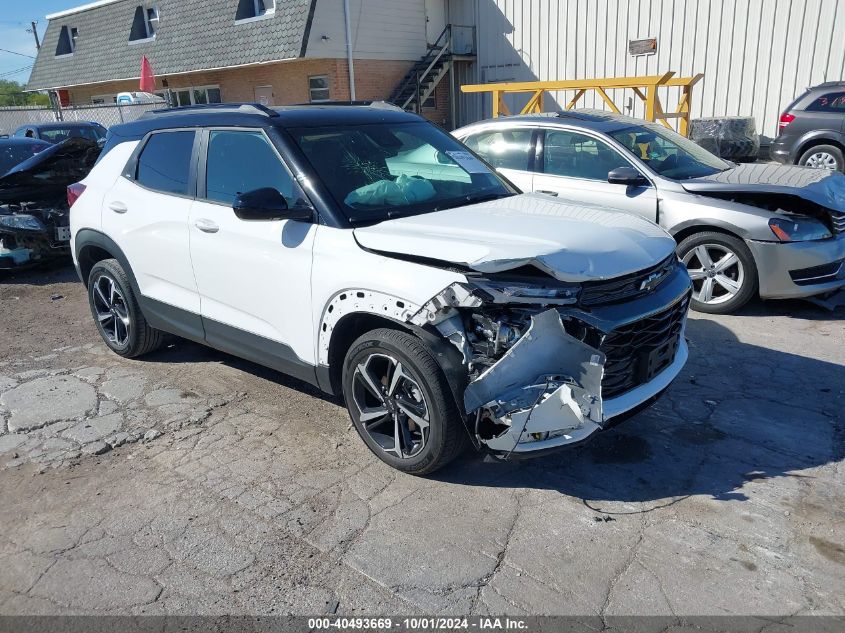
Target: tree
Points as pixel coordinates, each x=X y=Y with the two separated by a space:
x=12 y=94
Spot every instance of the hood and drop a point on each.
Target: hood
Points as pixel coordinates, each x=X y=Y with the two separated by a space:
x=571 y=242
x=825 y=188
x=46 y=175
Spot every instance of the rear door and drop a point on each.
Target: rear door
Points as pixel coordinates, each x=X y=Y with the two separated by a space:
x=574 y=165
x=254 y=276
x=146 y=213
x=509 y=150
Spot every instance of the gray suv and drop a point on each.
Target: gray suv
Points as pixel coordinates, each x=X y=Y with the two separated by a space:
x=811 y=131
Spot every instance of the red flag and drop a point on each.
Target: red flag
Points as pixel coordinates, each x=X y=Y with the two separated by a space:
x=148 y=79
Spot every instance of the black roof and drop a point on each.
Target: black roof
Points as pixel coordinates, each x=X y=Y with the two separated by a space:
x=58 y=126
x=256 y=115
x=12 y=141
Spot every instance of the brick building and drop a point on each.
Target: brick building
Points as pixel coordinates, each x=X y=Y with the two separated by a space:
x=272 y=51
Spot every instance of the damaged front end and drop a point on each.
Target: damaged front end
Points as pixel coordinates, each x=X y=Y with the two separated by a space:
x=550 y=363
x=34 y=216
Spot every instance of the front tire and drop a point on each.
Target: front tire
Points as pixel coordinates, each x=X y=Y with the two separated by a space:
x=823 y=157
x=116 y=312
x=400 y=402
x=722 y=269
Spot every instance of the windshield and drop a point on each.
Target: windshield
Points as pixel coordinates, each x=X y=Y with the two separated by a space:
x=380 y=171
x=59 y=134
x=13 y=153
x=668 y=153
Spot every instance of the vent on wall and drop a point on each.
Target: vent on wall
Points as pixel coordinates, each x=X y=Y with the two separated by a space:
x=254 y=9
x=67 y=41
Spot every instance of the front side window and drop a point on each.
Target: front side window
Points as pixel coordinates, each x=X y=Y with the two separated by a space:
x=668 y=153
x=165 y=162
x=378 y=171
x=832 y=102
x=504 y=149
x=241 y=161
x=318 y=88
x=576 y=155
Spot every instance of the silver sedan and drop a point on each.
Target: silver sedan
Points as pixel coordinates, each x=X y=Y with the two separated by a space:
x=742 y=230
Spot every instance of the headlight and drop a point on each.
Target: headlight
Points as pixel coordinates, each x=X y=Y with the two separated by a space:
x=522 y=292
x=21 y=222
x=798 y=229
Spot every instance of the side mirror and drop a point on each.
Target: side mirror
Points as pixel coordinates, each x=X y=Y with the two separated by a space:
x=626 y=176
x=268 y=204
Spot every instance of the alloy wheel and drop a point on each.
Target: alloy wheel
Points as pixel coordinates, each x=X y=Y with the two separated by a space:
x=391 y=405
x=111 y=309
x=821 y=160
x=717 y=273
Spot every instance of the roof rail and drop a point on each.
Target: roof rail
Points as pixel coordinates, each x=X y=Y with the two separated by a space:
x=241 y=108
x=385 y=105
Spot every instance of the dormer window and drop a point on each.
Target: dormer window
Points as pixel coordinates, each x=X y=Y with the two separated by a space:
x=254 y=9
x=144 y=24
x=67 y=41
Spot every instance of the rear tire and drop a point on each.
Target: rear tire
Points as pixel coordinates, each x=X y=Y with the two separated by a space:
x=400 y=402
x=723 y=272
x=116 y=312
x=823 y=157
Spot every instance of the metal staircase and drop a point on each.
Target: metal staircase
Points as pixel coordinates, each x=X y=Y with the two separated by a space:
x=421 y=80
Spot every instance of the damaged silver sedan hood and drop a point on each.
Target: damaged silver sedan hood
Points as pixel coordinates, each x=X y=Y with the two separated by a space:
x=826 y=188
x=571 y=242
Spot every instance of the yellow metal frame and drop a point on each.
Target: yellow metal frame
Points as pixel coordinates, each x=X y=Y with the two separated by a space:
x=645 y=88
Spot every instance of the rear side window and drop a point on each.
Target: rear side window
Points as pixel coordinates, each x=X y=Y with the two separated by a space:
x=241 y=161
x=507 y=149
x=165 y=162
x=831 y=102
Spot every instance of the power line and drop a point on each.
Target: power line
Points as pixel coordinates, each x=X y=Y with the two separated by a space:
x=15 y=72
x=5 y=50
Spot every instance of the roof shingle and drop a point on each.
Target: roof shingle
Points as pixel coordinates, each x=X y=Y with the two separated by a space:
x=192 y=35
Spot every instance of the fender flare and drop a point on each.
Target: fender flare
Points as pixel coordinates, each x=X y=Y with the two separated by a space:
x=90 y=238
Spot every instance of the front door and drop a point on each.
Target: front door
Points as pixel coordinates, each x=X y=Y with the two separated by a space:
x=435 y=19
x=574 y=166
x=254 y=276
x=264 y=95
x=147 y=214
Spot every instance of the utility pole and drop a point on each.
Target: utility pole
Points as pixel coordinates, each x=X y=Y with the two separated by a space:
x=34 y=32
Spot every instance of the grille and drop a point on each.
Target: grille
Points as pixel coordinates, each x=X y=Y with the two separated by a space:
x=627 y=347
x=598 y=293
x=837 y=219
x=816 y=274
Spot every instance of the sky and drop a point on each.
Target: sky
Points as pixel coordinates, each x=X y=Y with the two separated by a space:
x=15 y=16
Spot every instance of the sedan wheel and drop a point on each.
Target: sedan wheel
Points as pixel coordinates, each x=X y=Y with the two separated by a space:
x=716 y=272
x=391 y=406
x=722 y=269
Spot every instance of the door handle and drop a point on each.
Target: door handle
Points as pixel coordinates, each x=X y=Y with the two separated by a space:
x=547 y=192
x=206 y=226
x=118 y=207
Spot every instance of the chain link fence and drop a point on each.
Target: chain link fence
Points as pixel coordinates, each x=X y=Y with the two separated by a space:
x=11 y=118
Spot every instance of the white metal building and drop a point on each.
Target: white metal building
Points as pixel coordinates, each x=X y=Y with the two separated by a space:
x=756 y=55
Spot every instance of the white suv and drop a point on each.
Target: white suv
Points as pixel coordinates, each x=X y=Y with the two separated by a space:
x=365 y=251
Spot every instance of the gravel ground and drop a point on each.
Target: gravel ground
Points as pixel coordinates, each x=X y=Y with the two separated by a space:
x=192 y=482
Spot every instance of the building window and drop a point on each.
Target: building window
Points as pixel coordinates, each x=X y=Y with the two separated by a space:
x=251 y=9
x=104 y=99
x=318 y=88
x=67 y=41
x=144 y=24
x=196 y=96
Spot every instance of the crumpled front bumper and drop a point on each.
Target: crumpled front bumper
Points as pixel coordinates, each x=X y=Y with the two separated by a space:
x=799 y=269
x=546 y=391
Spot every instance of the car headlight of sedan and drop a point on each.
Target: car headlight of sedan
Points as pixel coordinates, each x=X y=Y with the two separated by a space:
x=506 y=291
x=21 y=222
x=798 y=229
